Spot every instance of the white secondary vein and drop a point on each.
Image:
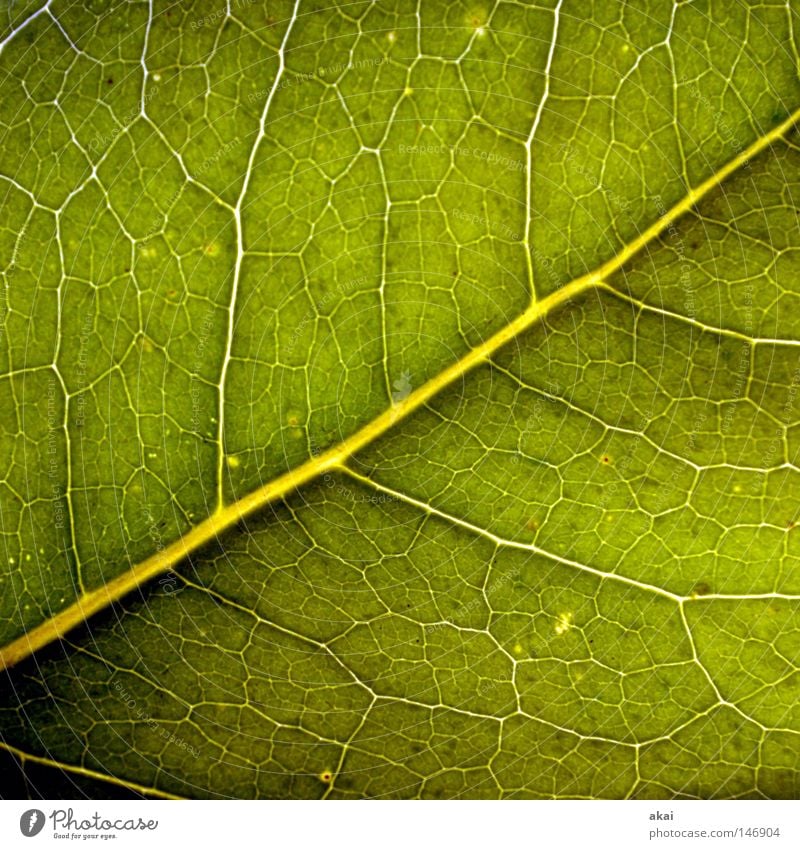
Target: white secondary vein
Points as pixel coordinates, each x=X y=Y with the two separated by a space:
x=529 y=146
x=644 y=306
x=17 y=30
x=564 y=561
x=237 y=271
x=506 y=543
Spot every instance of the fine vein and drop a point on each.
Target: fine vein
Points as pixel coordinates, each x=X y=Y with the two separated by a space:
x=226 y=516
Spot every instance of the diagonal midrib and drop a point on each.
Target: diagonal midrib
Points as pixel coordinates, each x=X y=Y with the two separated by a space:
x=224 y=518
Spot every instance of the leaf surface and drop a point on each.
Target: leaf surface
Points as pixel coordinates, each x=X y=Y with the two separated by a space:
x=399 y=401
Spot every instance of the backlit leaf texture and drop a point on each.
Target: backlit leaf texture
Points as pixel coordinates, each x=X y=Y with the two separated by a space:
x=399 y=399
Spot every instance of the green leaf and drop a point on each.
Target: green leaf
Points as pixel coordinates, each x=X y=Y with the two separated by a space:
x=399 y=403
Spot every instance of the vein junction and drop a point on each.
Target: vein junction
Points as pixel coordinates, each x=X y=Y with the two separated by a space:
x=228 y=515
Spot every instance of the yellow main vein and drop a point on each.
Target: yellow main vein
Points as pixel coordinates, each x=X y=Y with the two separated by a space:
x=210 y=529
